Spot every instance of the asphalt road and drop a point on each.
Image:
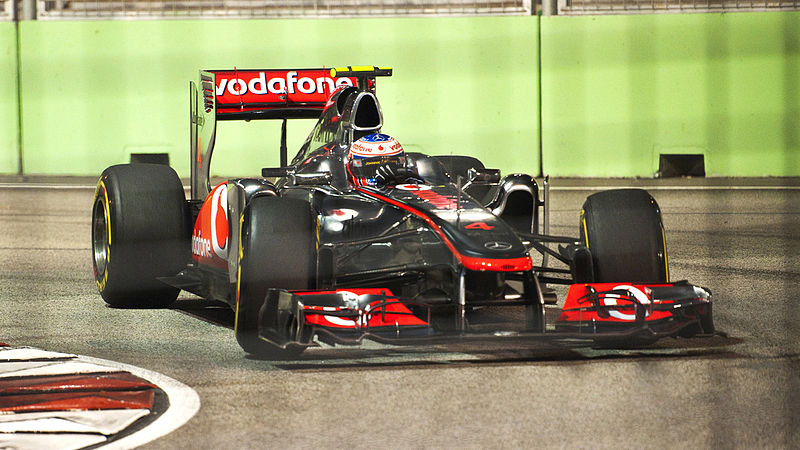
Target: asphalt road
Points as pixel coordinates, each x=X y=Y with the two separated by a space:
x=739 y=391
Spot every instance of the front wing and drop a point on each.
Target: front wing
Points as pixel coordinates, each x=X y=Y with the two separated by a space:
x=593 y=315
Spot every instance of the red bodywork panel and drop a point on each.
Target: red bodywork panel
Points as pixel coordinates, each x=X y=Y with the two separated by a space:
x=257 y=90
x=392 y=313
x=623 y=313
x=210 y=234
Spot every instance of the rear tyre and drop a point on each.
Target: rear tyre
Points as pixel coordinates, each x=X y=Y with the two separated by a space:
x=623 y=230
x=277 y=251
x=139 y=232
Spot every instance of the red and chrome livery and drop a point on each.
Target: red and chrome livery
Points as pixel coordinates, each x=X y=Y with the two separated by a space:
x=358 y=309
x=240 y=91
x=432 y=249
x=651 y=309
x=210 y=233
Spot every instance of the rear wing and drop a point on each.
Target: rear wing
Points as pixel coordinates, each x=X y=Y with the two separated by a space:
x=261 y=94
x=270 y=94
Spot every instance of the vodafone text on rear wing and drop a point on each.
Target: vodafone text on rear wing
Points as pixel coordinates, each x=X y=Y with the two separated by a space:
x=261 y=94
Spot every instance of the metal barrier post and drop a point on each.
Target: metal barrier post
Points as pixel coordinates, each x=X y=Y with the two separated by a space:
x=28 y=10
x=549 y=7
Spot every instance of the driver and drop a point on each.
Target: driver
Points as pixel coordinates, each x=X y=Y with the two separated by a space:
x=378 y=160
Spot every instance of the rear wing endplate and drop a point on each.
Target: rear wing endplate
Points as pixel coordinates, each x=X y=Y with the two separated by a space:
x=261 y=94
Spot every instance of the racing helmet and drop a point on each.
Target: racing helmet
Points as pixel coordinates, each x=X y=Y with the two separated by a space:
x=372 y=152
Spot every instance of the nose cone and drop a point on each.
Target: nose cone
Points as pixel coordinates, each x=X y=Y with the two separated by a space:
x=478 y=238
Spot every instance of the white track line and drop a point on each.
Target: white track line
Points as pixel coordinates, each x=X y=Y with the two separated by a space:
x=183 y=405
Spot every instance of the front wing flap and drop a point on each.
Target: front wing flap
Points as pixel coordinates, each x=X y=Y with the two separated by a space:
x=611 y=310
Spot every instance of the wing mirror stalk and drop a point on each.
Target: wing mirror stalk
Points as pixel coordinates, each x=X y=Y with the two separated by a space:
x=482 y=176
x=311 y=179
x=298 y=179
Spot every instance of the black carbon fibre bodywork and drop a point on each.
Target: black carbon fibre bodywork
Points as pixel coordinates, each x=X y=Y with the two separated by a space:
x=400 y=231
x=446 y=242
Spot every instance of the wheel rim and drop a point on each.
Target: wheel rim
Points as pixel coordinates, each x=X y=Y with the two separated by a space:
x=100 y=238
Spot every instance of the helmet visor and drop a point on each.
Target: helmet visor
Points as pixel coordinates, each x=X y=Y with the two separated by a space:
x=367 y=168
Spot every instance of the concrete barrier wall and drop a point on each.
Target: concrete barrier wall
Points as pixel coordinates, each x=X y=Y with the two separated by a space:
x=617 y=91
x=94 y=92
x=9 y=117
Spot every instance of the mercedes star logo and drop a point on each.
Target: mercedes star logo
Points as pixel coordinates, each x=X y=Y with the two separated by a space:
x=497 y=245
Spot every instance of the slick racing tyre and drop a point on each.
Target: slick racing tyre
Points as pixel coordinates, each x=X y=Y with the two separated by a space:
x=277 y=251
x=139 y=232
x=622 y=229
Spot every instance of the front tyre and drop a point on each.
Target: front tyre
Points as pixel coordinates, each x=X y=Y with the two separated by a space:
x=623 y=230
x=277 y=250
x=139 y=233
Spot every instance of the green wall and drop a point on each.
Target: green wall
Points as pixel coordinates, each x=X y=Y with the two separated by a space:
x=9 y=117
x=96 y=91
x=619 y=90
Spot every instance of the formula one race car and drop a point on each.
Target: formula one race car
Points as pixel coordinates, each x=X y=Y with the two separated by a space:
x=357 y=239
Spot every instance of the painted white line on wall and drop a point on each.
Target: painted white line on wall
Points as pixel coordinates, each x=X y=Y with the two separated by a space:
x=45 y=186
x=678 y=188
x=552 y=188
x=64 y=187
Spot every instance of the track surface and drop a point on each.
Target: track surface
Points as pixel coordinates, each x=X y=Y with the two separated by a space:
x=739 y=391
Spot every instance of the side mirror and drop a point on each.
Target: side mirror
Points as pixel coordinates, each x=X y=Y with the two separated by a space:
x=274 y=172
x=483 y=176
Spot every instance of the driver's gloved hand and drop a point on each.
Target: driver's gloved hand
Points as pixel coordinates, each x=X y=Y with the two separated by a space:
x=390 y=175
x=387 y=174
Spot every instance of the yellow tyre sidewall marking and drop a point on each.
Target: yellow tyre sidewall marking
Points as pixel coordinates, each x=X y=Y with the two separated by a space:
x=239 y=274
x=585 y=230
x=101 y=283
x=666 y=260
